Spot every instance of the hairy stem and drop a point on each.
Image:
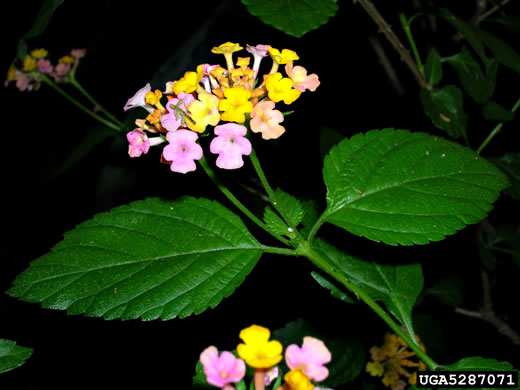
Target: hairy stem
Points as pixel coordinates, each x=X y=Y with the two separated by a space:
x=236 y=202
x=58 y=89
x=385 y=28
x=496 y=130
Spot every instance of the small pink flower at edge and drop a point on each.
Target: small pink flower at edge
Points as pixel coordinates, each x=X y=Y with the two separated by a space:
x=221 y=370
x=182 y=150
x=265 y=120
x=62 y=69
x=311 y=358
x=138 y=143
x=138 y=100
x=298 y=74
x=230 y=145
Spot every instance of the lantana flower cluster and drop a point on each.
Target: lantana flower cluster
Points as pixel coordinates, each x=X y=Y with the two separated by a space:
x=27 y=73
x=232 y=100
x=395 y=363
x=306 y=363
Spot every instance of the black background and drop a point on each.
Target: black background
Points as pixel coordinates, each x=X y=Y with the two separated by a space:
x=126 y=45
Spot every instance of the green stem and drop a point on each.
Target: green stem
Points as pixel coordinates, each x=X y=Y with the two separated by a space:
x=236 y=202
x=305 y=250
x=110 y=116
x=55 y=86
x=261 y=175
x=496 y=130
x=406 y=27
x=315 y=228
x=281 y=251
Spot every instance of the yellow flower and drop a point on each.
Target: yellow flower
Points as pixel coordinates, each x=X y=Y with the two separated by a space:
x=258 y=351
x=390 y=378
x=189 y=82
x=152 y=98
x=375 y=368
x=39 y=53
x=68 y=60
x=227 y=49
x=235 y=104
x=11 y=73
x=377 y=354
x=29 y=64
x=284 y=56
x=279 y=88
x=204 y=111
x=297 y=380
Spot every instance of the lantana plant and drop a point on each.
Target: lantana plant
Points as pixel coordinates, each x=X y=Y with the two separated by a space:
x=160 y=259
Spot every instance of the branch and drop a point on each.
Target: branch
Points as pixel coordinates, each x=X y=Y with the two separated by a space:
x=385 y=28
x=487 y=313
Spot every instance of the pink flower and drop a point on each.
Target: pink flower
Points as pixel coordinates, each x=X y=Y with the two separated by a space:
x=62 y=69
x=310 y=358
x=230 y=145
x=270 y=375
x=173 y=120
x=182 y=150
x=138 y=100
x=78 y=53
x=298 y=75
x=23 y=83
x=258 y=52
x=265 y=120
x=138 y=143
x=222 y=370
x=44 y=66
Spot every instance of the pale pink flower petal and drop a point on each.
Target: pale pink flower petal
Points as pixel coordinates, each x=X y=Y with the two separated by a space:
x=62 y=69
x=311 y=358
x=230 y=145
x=172 y=120
x=78 y=53
x=298 y=75
x=265 y=120
x=138 y=143
x=270 y=375
x=138 y=100
x=182 y=150
x=220 y=371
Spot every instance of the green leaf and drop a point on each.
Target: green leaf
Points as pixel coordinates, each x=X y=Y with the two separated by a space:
x=504 y=53
x=478 y=85
x=310 y=216
x=444 y=107
x=199 y=380
x=478 y=364
x=150 y=259
x=447 y=290
x=478 y=38
x=291 y=208
x=397 y=286
x=348 y=354
x=433 y=68
x=334 y=291
x=467 y=31
x=407 y=188
x=510 y=22
x=273 y=221
x=494 y=111
x=510 y=165
x=12 y=355
x=40 y=24
x=293 y=17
